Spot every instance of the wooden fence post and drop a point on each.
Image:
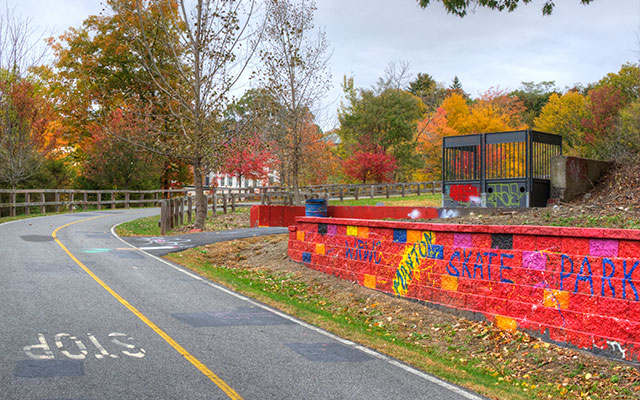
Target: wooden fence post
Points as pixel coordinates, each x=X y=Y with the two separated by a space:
x=419 y=184
x=57 y=200
x=26 y=201
x=387 y=189
x=181 y=210
x=12 y=210
x=85 y=199
x=224 y=203
x=113 y=200
x=356 y=192
x=372 y=190
x=163 y=218
x=402 y=186
x=99 y=200
x=189 y=209
x=126 y=199
x=43 y=200
x=71 y=196
x=233 y=202
x=341 y=194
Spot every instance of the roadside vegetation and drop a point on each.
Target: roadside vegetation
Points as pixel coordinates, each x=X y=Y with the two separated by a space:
x=425 y=200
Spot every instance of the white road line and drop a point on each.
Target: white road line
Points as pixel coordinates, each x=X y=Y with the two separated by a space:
x=366 y=350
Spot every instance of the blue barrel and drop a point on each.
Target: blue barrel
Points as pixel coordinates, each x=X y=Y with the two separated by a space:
x=315 y=208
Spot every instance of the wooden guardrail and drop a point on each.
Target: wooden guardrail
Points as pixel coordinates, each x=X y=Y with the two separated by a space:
x=279 y=195
x=175 y=211
x=26 y=201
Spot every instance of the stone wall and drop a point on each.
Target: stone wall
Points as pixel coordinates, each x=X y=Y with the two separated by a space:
x=574 y=286
x=573 y=176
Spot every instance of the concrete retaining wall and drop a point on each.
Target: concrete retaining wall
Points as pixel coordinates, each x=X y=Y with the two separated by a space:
x=574 y=286
x=573 y=176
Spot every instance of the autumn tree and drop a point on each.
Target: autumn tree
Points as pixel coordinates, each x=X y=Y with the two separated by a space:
x=321 y=162
x=494 y=111
x=387 y=118
x=462 y=7
x=249 y=158
x=563 y=115
x=295 y=74
x=208 y=44
x=603 y=104
x=626 y=141
x=97 y=72
x=28 y=133
x=370 y=163
x=626 y=80
x=112 y=163
x=534 y=96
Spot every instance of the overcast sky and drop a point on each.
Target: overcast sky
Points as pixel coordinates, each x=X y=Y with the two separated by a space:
x=577 y=44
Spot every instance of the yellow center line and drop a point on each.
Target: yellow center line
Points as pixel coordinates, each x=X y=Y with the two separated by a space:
x=193 y=360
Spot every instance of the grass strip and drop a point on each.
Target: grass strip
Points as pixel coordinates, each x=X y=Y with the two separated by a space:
x=426 y=200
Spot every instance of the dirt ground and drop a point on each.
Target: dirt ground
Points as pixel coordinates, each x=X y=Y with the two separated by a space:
x=615 y=203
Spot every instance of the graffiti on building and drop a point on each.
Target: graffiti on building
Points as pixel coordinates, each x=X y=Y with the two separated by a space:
x=463 y=193
x=505 y=195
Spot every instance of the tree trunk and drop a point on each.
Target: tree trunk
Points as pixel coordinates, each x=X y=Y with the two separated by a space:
x=201 y=200
x=297 y=201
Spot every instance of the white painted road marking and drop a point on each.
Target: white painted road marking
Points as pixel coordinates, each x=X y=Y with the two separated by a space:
x=65 y=342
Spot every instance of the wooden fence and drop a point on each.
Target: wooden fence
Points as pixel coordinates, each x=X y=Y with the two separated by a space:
x=271 y=195
x=26 y=201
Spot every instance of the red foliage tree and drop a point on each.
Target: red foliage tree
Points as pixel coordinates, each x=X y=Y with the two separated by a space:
x=112 y=162
x=370 y=164
x=249 y=159
x=604 y=104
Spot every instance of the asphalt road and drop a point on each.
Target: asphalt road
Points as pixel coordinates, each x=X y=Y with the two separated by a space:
x=85 y=316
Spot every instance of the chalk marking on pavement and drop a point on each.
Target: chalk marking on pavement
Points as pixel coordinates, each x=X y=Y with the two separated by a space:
x=193 y=360
x=346 y=342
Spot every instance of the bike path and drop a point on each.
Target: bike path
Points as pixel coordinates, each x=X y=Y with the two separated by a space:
x=84 y=318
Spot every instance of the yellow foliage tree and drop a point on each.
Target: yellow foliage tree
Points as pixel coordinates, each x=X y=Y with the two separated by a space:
x=494 y=111
x=563 y=115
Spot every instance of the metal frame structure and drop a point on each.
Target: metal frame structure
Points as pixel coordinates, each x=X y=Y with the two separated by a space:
x=502 y=169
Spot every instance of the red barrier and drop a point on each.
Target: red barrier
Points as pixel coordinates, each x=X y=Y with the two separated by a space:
x=285 y=215
x=570 y=285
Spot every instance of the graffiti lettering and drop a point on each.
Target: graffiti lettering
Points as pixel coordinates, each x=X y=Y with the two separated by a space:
x=360 y=251
x=463 y=193
x=504 y=195
x=409 y=266
x=459 y=266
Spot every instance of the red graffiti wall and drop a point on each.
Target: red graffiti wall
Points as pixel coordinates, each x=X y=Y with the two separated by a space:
x=285 y=215
x=576 y=286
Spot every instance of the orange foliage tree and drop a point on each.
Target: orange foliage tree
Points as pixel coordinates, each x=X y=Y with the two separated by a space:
x=494 y=111
x=29 y=133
